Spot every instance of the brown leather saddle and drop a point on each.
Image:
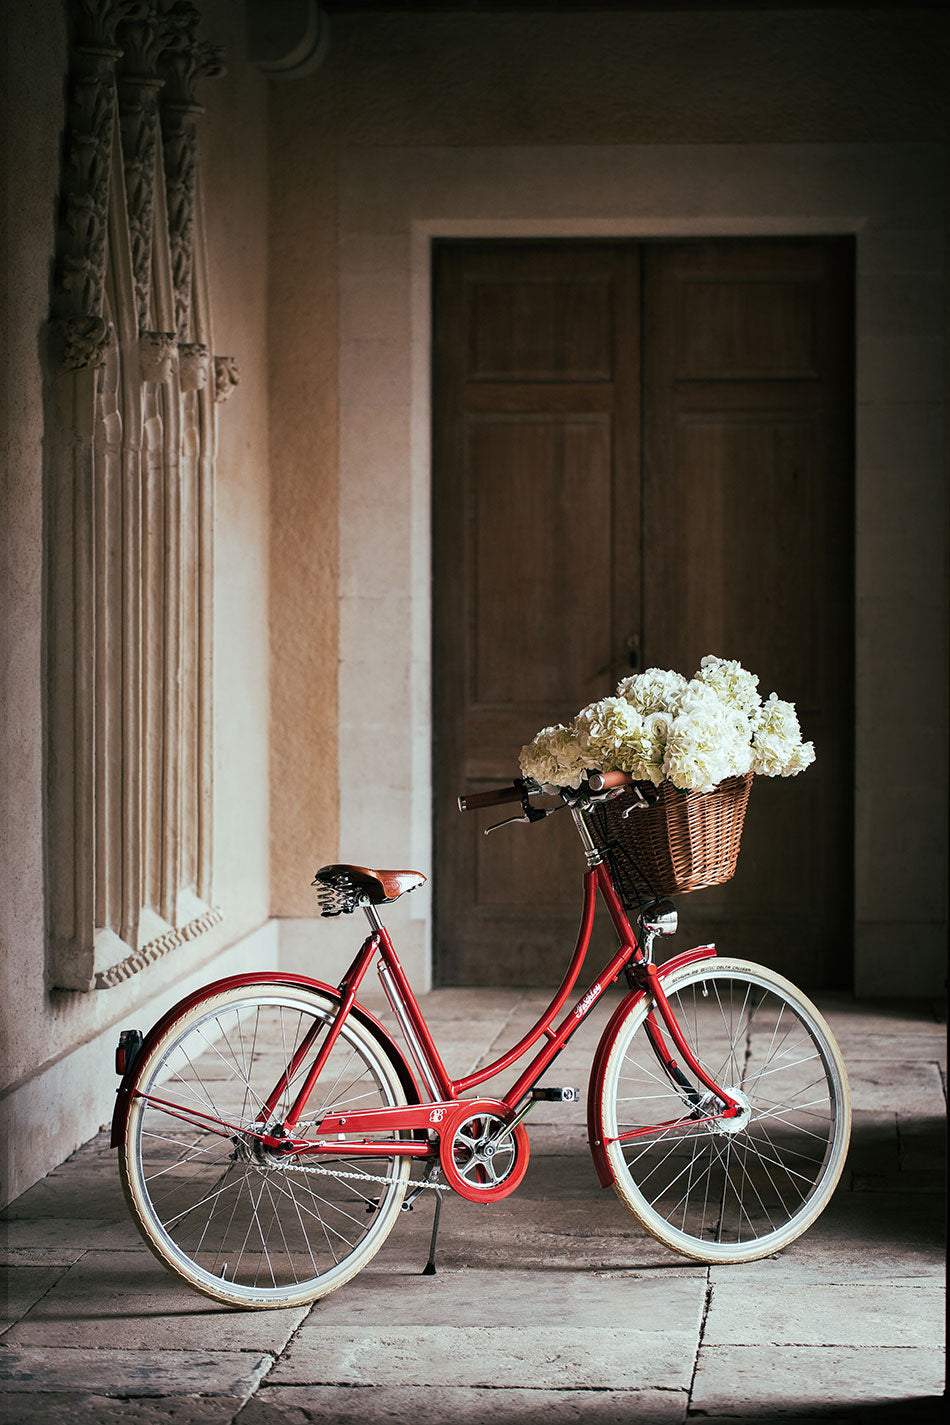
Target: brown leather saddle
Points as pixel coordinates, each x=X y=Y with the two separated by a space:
x=341 y=889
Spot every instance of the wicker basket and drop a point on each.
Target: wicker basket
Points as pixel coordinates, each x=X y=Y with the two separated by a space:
x=684 y=842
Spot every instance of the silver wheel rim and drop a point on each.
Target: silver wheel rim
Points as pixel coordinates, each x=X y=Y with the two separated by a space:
x=223 y=1213
x=721 y=1192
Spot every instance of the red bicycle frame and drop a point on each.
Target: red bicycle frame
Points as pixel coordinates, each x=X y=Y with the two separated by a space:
x=442 y=1105
x=445 y=1093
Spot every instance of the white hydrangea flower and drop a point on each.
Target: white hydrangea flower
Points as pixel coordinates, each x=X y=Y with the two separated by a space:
x=656 y=732
x=777 y=747
x=708 y=741
x=602 y=727
x=776 y=716
x=615 y=736
x=656 y=690
x=659 y=727
x=553 y=758
x=801 y=757
x=731 y=682
x=697 y=692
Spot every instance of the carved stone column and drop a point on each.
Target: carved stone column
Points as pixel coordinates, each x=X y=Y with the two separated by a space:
x=138 y=89
x=78 y=301
x=131 y=504
x=183 y=60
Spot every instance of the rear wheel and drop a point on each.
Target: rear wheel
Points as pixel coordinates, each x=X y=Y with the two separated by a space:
x=729 y=1190
x=236 y=1221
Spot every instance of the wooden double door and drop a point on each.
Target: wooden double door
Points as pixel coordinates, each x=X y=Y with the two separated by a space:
x=643 y=453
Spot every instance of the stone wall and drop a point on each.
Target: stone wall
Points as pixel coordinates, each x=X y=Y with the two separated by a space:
x=56 y=1081
x=588 y=123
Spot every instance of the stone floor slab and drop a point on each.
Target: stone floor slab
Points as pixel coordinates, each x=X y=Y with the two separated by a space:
x=34 y=1254
x=572 y=1300
x=923 y=1141
x=569 y=1174
x=22 y=1287
x=860 y=1237
x=916 y=1180
x=747 y=1382
x=65 y=1371
x=40 y=1408
x=519 y=1234
x=426 y=1405
x=560 y=1215
x=916 y=1041
x=573 y=1238
x=67 y=1235
x=890 y=1085
x=127 y=1300
x=88 y=1191
x=870 y=1314
x=593 y=1358
x=875 y=1142
x=558 y=1139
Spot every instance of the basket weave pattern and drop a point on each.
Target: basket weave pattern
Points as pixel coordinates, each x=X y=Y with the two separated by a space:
x=684 y=842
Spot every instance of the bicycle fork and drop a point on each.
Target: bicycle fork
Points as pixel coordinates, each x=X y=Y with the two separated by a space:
x=647 y=977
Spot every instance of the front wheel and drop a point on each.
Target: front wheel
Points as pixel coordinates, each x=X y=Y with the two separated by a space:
x=240 y=1223
x=717 y=1189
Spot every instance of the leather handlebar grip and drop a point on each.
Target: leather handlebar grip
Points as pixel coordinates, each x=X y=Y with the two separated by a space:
x=601 y=781
x=491 y=799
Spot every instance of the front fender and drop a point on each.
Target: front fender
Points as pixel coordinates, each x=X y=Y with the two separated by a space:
x=270 y=978
x=595 y=1127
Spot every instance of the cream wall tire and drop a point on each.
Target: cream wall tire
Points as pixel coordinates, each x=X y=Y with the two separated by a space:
x=243 y=1226
x=731 y=1191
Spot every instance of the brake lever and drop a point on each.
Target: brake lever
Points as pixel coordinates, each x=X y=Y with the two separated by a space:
x=510 y=821
x=528 y=814
x=642 y=803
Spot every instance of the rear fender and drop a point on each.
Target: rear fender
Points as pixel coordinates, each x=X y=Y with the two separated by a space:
x=595 y=1127
x=271 y=979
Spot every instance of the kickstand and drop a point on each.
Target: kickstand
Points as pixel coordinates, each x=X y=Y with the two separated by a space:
x=429 y=1269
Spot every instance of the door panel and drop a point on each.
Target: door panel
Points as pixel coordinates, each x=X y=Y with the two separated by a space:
x=747 y=539
x=561 y=528
x=532 y=657
x=536 y=403
x=554 y=327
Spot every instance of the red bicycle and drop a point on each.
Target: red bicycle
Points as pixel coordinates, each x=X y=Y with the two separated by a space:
x=268 y=1125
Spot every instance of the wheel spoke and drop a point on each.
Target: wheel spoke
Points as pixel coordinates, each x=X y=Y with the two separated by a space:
x=737 y=1187
x=235 y=1220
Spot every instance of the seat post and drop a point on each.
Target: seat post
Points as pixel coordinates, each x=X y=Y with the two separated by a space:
x=373 y=918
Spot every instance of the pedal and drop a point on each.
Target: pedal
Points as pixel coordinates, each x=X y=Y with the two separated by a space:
x=552 y=1095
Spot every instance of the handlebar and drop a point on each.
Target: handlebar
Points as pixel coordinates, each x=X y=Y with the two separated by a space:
x=492 y=799
x=597 y=782
x=607 y=781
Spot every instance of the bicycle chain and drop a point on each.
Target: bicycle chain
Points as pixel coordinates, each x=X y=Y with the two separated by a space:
x=364 y=1177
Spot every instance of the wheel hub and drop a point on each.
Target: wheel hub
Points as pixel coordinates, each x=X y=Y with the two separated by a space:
x=250 y=1148
x=737 y=1124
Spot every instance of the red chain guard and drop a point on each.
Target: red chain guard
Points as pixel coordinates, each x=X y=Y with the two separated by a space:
x=468 y=1108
